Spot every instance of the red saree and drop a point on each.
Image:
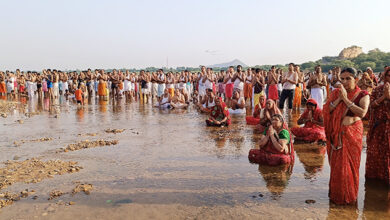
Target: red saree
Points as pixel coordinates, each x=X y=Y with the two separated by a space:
x=344 y=146
x=378 y=139
x=219 y=113
x=310 y=132
x=255 y=119
x=268 y=155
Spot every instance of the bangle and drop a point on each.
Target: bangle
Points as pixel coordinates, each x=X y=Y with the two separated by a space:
x=331 y=104
x=352 y=104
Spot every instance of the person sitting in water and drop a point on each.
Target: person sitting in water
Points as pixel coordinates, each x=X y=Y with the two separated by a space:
x=165 y=100
x=266 y=113
x=255 y=119
x=178 y=100
x=313 y=121
x=219 y=115
x=207 y=103
x=237 y=104
x=275 y=147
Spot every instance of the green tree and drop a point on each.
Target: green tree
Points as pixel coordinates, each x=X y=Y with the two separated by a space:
x=363 y=66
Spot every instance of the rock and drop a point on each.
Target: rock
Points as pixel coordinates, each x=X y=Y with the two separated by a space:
x=114 y=131
x=16 y=158
x=20 y=121
x=310 y=201
x=3 y=115
x=71 y=203
x=350 y=52
x=50 y=209
x=45 y=214
x=89 y=144
x=86 y=188
x=24 y=193
x=35 y=197
x=55 y=194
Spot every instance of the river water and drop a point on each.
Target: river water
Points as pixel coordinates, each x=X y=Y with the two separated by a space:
x=169 y=165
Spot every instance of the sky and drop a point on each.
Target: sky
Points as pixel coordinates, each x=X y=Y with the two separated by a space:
x=80 y=34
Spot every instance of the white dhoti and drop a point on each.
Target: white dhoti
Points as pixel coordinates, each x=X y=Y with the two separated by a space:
x=154 y=89
x=30 y=89
x=55 y=89
x=126 y=85
x=318 y=95
x=160 y=89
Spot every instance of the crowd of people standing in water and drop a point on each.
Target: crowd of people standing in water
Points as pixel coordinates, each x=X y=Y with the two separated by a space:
x=336 y=104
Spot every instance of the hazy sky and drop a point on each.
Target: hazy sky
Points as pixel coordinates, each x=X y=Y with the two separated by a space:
x=72 y=34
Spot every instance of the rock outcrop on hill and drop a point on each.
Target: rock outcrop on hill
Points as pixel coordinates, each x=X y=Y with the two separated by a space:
x=350 y=52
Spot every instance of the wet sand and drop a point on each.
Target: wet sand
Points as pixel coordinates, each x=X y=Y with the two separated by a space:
x=166 y=165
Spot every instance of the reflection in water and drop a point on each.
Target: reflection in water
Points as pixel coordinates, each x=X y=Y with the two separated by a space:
x=376 y=200
x=276 y=178
x=103 y=105
x=349 y=212
x=80 y=114
x=312 y=157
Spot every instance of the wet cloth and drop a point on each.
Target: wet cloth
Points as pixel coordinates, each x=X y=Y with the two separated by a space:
x=248 y=90
x=229 y=90
x=310 y=132
x=102 y=88
x=273 y=92
x=3 y=88
x=297 y=97
x=378 y=139
x=318 y=95
x=344 y=147
x=160 y=89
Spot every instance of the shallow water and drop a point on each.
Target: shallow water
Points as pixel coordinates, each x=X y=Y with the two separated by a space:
x=169 y=165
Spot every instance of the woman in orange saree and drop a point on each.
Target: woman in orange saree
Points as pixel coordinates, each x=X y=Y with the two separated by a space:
x=378 y=137
x=344 y=132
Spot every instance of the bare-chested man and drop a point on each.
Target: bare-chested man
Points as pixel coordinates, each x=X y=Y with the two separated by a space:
x=316 y=82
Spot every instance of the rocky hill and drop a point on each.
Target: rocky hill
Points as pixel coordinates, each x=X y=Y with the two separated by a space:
x=350 y=52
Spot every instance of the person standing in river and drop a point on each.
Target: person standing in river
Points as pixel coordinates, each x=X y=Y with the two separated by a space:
x=289 y=82
x=378 y=137
x=316 y=82
x=343 y=115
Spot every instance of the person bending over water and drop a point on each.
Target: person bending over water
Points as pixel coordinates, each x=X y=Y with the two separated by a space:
x=275 y=147
x=343 y=115
x=219 y=115
x=313 y=121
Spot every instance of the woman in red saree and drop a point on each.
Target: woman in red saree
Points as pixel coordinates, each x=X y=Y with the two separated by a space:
x=265 y=114
x=219 y=115
x=255 y=119
x=344 y=132
x=378 y=137
x=276 y=146
x=314 y=124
